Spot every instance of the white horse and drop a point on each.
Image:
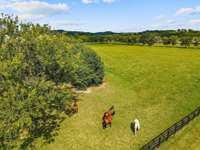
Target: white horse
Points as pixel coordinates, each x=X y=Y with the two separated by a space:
x=135 y=126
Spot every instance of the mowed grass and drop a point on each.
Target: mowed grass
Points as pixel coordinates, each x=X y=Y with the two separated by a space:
x=156 y=85
x=186 y=139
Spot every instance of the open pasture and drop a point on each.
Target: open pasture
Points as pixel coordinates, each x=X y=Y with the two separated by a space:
x=156 y=85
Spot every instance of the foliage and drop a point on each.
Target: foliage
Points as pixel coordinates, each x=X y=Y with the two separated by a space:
x=196 y=41
x=185 y=41
x=148 y=39
x=156 y=85
x=166 y=37
x=29 y=110
x=34 y=63
x=172 y=40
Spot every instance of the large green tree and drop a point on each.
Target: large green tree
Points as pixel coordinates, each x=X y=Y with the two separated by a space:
x=196 y=41
x=186 y=41
x=34 y=64
x=148 y=39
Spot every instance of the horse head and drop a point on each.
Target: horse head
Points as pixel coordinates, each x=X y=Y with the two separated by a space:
x=113 y=113
x=132 y=126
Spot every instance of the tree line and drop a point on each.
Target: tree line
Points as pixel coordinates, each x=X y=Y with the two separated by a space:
x=37 y=66
x=180 y=37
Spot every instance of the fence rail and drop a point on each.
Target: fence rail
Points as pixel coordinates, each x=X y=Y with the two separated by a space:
x=155 y=142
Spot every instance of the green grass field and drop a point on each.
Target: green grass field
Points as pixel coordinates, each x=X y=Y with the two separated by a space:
x=186 y=139
x=156 y=85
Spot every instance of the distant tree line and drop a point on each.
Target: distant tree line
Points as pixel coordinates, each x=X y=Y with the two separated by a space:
x=36 y=67
x=180 y=37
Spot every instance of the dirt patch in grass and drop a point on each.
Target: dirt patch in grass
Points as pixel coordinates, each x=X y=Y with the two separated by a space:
x=89 y=90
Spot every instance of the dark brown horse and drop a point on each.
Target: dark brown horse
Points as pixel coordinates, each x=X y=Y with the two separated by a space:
x=108 y=117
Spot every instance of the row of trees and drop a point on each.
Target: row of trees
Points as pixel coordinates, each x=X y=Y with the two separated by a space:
x=184 y=38
x=35 y=63
x=150 y=39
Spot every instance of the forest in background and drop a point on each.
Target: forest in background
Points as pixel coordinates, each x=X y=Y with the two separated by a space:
x=180 y=37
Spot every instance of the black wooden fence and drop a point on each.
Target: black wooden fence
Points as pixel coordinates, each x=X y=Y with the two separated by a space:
x=155 y=143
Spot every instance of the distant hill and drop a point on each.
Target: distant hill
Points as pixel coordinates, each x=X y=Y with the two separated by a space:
x=158 y=32
x=185 y=37
x=86 y=33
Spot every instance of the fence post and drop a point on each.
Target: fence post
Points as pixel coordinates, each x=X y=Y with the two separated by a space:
x=193 y=115
x=159 y=141
x=183 y=123
x=173 y=129
x=187 y=120
x=198 y=111
x=167 y=134
x=149 y=147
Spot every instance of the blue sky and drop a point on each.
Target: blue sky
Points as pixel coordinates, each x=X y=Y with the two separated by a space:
x=107 y=15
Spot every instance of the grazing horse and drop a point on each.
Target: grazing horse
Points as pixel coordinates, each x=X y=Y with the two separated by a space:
x=107 y=117
x=75 y=107
x=135 y=126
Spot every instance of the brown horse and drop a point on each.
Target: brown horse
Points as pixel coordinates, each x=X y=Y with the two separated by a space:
x=75 y=107
x=108 y=117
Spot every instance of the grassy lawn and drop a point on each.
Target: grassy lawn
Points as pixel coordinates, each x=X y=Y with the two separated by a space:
x=156 y=85
x=187 y=139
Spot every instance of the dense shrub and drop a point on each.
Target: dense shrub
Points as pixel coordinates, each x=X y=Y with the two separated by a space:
x=34 y=63
x=57 y=56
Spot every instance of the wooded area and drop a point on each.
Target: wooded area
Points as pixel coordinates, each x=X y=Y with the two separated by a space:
x=180 y=37
x=35 y=64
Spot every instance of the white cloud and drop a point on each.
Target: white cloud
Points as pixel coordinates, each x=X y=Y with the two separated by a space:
x=188 y=11
x=88 y=1
x=93 y=1
x=166 y=22
x=171 y=21
x=168 y=26
x=63 y=23
x=109 y=1
x=68 y=25
x=34 y=9
x=159 y=18
x=162 y=19
x=195 y=21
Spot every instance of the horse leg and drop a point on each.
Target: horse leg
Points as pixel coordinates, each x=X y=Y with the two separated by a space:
x=135 y=130
x=110 y=124
x=104 y=125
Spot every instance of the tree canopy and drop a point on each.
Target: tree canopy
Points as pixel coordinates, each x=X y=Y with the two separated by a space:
x=34 y=64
